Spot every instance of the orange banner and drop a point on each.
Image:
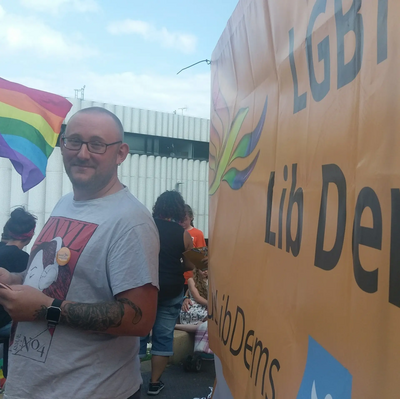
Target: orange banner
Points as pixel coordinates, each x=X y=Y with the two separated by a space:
x=305 y=200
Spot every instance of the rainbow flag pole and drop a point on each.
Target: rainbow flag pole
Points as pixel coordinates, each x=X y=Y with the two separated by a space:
x=30 y=122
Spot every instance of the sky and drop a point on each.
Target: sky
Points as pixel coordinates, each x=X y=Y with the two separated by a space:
x=124 y=52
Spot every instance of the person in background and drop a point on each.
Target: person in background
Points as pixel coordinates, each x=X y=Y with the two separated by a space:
x=168 y=213
x=78 y=337
x=194 y=316
x=17 y=233
x=194 y=307
x=196 y=234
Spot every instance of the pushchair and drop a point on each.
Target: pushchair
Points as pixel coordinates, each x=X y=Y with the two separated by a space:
x=201 y=351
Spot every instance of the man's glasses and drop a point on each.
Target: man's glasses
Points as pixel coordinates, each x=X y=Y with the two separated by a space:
x=95 y=147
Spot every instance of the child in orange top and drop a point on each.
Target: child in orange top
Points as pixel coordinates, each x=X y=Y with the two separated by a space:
x=196 y=234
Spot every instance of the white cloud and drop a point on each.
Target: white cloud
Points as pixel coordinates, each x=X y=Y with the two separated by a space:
x=56 y=6
x=181 y=41
x=155 y=92
x=28 y=35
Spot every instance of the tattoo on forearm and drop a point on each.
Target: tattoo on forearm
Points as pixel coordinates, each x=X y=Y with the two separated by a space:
x=98 y=316
x=40 y=314
x=93 y=316
x=138 y=312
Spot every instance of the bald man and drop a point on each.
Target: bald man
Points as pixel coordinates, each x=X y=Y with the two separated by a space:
x=78 y=337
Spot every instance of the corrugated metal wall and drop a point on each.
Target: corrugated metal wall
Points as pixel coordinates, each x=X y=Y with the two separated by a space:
x=146 y=176
x=143 y=121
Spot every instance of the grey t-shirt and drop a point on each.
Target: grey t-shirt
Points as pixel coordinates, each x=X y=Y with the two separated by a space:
x=114 y=247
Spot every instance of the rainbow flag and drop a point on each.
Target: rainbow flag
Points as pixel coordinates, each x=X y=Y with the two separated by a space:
x=30 y=122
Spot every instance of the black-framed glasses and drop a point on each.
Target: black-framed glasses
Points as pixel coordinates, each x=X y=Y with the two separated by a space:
x=95 y=147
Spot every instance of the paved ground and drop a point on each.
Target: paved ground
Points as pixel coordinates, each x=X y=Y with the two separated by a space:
x=180 y=384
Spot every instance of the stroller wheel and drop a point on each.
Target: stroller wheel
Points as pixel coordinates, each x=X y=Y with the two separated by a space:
x=187 y=364
x=196 y=363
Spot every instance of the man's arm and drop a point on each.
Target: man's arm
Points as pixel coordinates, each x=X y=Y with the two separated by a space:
x=132 y=313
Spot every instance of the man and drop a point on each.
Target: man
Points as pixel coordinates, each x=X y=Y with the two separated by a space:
x=92 y=280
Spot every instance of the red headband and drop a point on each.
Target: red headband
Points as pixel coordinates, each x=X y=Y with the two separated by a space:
x=22 y=237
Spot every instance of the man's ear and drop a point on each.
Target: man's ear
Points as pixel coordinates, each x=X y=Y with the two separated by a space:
x=122 y=153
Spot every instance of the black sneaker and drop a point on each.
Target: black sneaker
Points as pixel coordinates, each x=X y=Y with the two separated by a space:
x=155 y=388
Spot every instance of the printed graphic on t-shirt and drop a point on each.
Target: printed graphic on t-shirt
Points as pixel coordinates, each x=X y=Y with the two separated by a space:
x=51 y=266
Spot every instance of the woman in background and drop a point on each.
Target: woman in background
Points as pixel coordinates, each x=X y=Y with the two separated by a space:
x=194 y=307
x=168 y=213
x=194 y=311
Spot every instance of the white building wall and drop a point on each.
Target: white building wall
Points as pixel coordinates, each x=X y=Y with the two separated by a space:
x=146 y=176
x=154 y=123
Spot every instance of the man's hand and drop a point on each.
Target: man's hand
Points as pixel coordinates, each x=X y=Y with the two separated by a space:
x=25 y=303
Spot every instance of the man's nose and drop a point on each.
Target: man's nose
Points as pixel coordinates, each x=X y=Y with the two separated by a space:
x=84 y=153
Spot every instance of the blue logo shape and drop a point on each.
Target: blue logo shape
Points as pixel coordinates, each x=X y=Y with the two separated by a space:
x=324 y=377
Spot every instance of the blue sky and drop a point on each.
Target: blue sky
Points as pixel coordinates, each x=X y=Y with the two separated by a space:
x=125 y=52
